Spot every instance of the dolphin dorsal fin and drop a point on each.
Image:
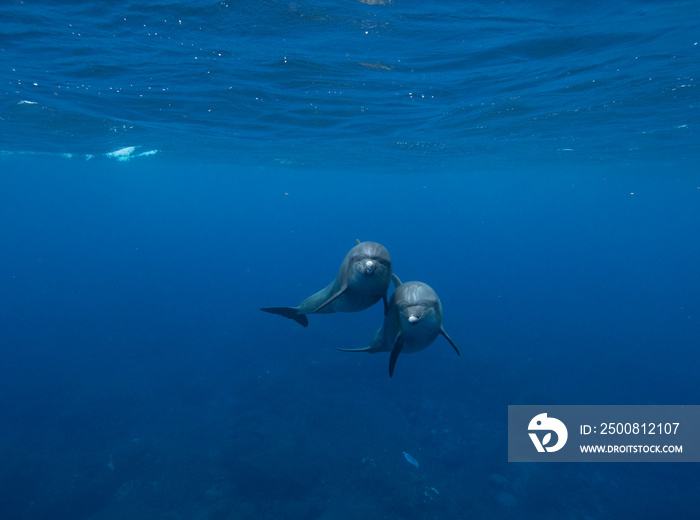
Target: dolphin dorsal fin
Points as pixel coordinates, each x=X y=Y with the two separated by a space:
x=397 y=282
x=357 y=241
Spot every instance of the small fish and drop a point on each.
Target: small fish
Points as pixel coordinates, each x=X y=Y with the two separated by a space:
x=410 y=459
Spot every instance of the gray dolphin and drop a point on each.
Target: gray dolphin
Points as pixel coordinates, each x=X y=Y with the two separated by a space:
x=413 y=322
x=362 y=281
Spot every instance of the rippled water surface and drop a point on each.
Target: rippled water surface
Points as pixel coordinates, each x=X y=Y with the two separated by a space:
x=168 y=168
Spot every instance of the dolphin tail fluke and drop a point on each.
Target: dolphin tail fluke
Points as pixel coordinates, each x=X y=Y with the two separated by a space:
x=363 y=349
x=289 y=312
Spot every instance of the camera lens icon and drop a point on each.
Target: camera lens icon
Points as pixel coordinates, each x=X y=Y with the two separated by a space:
x=541 y=423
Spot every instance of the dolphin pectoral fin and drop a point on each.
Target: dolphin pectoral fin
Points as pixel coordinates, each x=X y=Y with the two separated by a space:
x=396 y=280
x=357 y=242
x=330 y=300
x=386 y=305
x=363 y=349
x=289 y=312
x=448 y=338
x=398 y=345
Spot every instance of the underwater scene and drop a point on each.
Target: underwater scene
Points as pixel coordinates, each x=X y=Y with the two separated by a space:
x=295 y=259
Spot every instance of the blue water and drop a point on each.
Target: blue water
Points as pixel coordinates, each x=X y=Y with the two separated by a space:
x=168 y=168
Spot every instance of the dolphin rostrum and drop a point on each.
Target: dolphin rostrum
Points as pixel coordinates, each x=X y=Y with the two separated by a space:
x=362 y=281
x=413 y=322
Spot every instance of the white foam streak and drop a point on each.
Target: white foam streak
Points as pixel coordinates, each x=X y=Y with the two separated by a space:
x=127 y=153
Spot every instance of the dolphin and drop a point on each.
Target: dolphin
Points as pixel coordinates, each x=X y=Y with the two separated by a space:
x=413 y=322
x=363 y=280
